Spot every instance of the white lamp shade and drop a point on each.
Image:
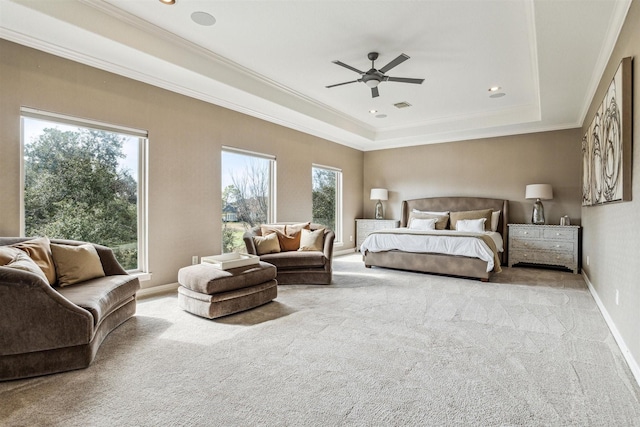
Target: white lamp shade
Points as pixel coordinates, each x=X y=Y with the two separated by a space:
x=379 y=194
x=539 y=191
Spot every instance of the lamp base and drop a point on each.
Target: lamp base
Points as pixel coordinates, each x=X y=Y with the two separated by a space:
x=537 y=216
x=379 y=214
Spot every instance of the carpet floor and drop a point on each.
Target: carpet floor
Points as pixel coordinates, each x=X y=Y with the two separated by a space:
x=378 y=347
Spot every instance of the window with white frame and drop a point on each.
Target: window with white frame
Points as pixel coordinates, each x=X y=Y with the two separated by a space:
x=248 y=194
x=327 y=198
x=85 y=180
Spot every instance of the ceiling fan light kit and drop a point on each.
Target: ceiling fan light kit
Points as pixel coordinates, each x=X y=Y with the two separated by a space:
x=373 y=77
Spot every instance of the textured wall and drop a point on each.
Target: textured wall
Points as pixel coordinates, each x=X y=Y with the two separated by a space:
x=492 y=167
x=612 y=232
x=185 y=138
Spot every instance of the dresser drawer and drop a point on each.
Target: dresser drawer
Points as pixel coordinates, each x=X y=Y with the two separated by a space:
x=542 y=245
x=559 y=233
x=526 y=233
x=545 y=258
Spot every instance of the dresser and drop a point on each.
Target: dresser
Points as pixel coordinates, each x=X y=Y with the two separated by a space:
x=364 y=227
x=553 y=245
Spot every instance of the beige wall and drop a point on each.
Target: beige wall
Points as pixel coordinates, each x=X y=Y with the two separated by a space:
x=612 y=232
x=185 y=139
x=493 y=167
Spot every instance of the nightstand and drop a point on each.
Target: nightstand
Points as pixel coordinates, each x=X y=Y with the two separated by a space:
x=552 y=245
x=364 y=227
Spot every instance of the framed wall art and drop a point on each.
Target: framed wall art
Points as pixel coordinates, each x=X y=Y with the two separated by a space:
x=607 y=144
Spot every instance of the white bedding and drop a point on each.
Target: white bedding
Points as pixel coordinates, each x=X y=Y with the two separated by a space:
x=433 y=241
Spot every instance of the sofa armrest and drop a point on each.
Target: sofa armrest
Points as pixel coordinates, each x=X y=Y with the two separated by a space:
x=249 y=242
x=329 y=238
x=35 y=317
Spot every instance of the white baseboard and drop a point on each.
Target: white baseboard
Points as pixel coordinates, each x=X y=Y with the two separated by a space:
x=633 y=364
x=344 y=252
x=155 y=290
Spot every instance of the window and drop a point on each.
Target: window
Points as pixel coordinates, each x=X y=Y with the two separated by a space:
x=248 y=182
x=327 y=198
x=85 y=181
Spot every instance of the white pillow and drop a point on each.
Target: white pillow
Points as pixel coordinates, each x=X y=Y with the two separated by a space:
x=495 y=218
x=471 y=225
x=431 y=212
x=423 y=224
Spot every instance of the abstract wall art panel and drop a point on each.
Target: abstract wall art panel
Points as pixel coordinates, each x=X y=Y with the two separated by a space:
x=607 y=144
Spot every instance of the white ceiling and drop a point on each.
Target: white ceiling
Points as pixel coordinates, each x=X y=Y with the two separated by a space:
x=272 y=59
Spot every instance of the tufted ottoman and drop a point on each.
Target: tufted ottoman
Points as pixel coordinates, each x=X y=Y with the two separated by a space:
x=210 y=292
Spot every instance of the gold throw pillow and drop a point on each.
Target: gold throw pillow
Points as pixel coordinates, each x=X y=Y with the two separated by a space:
x=267 y=244
x=75 y=264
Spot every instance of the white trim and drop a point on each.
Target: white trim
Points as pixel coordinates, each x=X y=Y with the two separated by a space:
x=331 y=168
x=626 y=353
x=248 y=152
x=156 y=290
x=344 y=252
x=89 y=123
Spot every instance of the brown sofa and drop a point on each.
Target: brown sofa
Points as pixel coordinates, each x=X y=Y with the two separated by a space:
x=298 y=267
x=46 y=329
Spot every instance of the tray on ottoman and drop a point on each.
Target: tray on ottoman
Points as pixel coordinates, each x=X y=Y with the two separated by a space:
x=231 y=260
x=212 y=292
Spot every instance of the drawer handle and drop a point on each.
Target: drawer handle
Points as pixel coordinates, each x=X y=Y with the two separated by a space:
x=557 y=234
x=557 y=246
x=526 y=232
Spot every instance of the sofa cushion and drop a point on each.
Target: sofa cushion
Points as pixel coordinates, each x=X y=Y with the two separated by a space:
x=75 y=264
x=39 y=250
x=267 y=245
x=102 y=295
x=288 y=243
x=17 y=259
x=266 y=229
x=311 y=240
x=296 y=259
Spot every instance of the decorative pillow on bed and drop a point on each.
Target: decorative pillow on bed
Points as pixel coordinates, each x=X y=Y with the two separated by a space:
x=471 y=225
x=423 y=224
x=442 y=218
x=495 y=219
x=482 y=213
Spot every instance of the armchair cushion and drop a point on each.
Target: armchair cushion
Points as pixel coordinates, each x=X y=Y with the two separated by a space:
x=267 y=244
x=311 y=240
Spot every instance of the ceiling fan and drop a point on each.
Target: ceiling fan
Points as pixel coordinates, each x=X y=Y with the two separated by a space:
x=373 y=77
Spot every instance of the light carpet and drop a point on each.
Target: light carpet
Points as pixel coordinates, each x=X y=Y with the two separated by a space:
x=378 y=347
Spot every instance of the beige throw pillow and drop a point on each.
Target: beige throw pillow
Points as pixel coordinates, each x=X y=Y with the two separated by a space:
x=17 y=259
x=481 y=213
x=267 y=244
x=441 y=220
x=75 y=264
x=266 y=229
x=311 y=240
x=39 y=250
x=293 y=229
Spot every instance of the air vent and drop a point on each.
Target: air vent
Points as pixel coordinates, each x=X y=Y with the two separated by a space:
x=402 y=104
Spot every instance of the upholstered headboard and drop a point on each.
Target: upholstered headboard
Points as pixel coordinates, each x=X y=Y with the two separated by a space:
x=456 y=204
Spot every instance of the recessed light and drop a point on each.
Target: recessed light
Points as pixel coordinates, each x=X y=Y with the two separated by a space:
x=497 y=95
x=168 y=1
x=373 y=111
x=494 y=88
x=203 y=18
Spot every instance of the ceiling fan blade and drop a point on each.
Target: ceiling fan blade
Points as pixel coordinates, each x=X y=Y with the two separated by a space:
x=342 y=64
x=374 y=92
x=399 y=60
x=340 y=84
x=404 y=80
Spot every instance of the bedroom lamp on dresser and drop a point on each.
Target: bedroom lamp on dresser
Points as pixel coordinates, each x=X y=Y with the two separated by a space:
x=547 y=245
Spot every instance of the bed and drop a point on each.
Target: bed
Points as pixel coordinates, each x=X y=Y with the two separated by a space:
x=441 y=263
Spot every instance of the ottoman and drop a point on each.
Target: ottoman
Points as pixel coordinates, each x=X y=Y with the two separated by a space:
x=211 y=292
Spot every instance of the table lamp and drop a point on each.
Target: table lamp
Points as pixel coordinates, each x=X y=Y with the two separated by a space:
x=379 y=194
x=538 y=192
